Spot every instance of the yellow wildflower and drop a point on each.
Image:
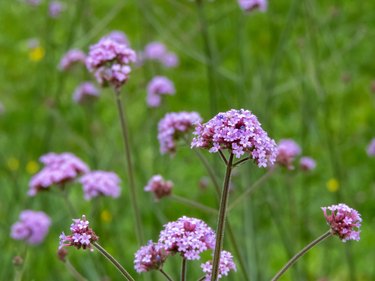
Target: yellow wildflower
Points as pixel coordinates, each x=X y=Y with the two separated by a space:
x=36 y=53
x=333 y=185
x=32 y=167
x=13 y=164
x=106 y=216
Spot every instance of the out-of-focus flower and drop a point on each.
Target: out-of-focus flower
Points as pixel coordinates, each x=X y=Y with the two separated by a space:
x=55 y=8
x=32 y=227
x=187 y=236
x=106 y=216
x=159 y=186
x=33 y=2
x=238 y=131
x=100 y=183
x=150 y=257
x=226 y=264
x=13 y=164
x=72 y=57
x=307 y=163
x=250 y=5
x=344 y=221
x=86 y=92
x=288 y=150
x=173 y=126
x=61 y=254
x=32 y=167
x=36 y=53
x=82 y=236
x=158 y=86
x=118 y=36
x=333 y=185
x=159 y=52
x=59 y=169
x=109 y=61
x=170 y=60
x=371 y=148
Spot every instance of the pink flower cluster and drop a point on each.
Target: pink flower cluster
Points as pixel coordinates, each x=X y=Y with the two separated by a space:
x=157 y=87
x=187 y=236
x=150 y=257
x=226 y=264
x=344 y=221
x=118 y=36
x=97 y=183
x=71 y=58
x=109 y=60
x=59 y=169
x=173 y=126
x=307 y=163
x=371 y=148
x=159 y=186
x=158 y=51
x=288 y=150
x=249 y=5
x=238 y=131
x=32 y=227
x=82 y=235
x=85 y=93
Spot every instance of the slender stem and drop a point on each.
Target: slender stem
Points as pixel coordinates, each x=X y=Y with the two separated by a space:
x=126 y=142
x=71 y=209
x=241 y=161
x=202 y=278
x=74 y=271
x=113 y=261
x=194 y=204
x=300 y=254
x=221 y=220
x=223 y=157
x=165 y=275
x=183 y=270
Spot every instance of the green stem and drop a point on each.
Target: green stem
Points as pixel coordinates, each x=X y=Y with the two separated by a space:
x=165 y=275
x=183 y=270
x=300 y=254
x=194 y=204
x=221 y=220
x=74 y=271
x=113 y=261
x=71 y=209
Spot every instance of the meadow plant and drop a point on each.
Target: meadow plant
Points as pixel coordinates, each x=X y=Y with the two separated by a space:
x=159 y=187
x=86 y=92
x=287 y=151
x=55 y=8
x=157 y=51
x=250 y=5
x=150 y=257
x=226 y=265
x=72 y=57
x=100 y=183
x=158 y=86
x=307 y=163
x=118 y=36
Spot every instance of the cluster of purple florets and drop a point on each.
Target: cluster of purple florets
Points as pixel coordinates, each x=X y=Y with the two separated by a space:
x=157 y=87
x=100 y=183
x=287 y=151
x=157 y=51
x=85 y=93
x=226 y=264
x=72 y=57
x=159 y=186
x=249 y=5
x=150 y=257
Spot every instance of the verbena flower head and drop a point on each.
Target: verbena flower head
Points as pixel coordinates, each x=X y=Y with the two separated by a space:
x=119 y=37
x=158 y=86
x=100 y=183
x=159 y=186
x=86 y=92
x=249 y=5
x=307 y=163
x=226 y=264
x=32 y=227
x=82 y=236
x=344 y=221
x=288 y=150
x=150 y=257
x=71 y=58
x=58 y=170
x=187 y=236
x=240 y=132
x=371 y=148
x=109 y=60
x=170 y=60
x=154 y=51
x=55 y=8
x=173 y=126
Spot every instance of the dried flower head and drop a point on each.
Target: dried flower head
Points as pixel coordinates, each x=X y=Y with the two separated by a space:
x=238 y=131
x=307 y=163
x=344 y=221
x=287 y=149
x=250 y=5
x=82 y=236
x=100 y=183
x=187 y=236
x=173 y=126
x=72 y=57
x=32 y=227
x=226 y=264
x=371 y=148
x=86 y=92
x=159 y=186
x=158 y=86
x=150 y=257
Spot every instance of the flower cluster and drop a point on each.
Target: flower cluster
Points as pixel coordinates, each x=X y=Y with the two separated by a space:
x=157 y=51
x=82 y=235
x=159 y=186
x=98 y=183
x=55 y=8
x=344 y=221
x=172 y=127
x=150 y=257
x=226 y=264
x=71 y=58
x=158 y=86
x=238 y=131
x=187 y=236
x=307 y=163
x=59 y=169
x=287 y=149
x=32 y=227
x=249 y=5
x=85 y=93
x=118 y=36
x=371 y=148
x=109 y=60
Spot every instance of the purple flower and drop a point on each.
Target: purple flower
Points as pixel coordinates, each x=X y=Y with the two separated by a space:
x=226 y=264
x=82 y=236
x=307 y=164
x=55 y=8
x=109 y=61
x=187 y=236
x=158 y=86
x=344 y=221
x=32 y=227
x=169 y=60
x=160 y=187
x=288 y=149
x=173 y=126
x=238 y=131
x=100 y=183
x=59 y=169
x=119 y=37
x=149 y=257
x=371 y=148
x=249 y=5
x=71 y=58
x=154 y=51
x=86 y=92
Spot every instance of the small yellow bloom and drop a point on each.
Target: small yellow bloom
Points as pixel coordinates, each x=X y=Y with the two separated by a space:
x=32 y=167
x=13 y=164
x=106 y=216
x=333 y=185
x=36 y=54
